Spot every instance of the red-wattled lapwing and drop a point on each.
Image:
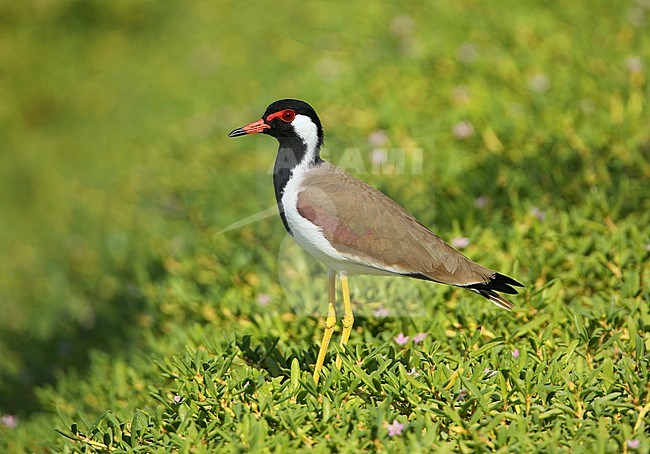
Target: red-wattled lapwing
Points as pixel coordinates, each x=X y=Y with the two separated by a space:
x=353 y=228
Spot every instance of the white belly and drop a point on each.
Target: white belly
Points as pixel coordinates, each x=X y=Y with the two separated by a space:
x=330 y=257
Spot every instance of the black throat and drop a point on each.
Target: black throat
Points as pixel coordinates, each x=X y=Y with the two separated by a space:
x=292 y=151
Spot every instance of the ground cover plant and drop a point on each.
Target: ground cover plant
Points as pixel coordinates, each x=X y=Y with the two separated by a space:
x=134 y=320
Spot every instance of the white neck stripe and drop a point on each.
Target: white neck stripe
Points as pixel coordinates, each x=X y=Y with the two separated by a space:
x=308 y=133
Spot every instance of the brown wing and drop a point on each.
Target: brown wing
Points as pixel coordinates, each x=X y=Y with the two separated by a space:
x=363 y=223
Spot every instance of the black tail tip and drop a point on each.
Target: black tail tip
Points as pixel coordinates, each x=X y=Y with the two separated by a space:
x=502 y=283
x=497 y=283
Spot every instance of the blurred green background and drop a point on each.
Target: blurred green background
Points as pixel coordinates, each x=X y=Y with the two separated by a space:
x=116 y=173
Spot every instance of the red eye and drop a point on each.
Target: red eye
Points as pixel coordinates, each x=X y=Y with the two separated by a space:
x=288 y=115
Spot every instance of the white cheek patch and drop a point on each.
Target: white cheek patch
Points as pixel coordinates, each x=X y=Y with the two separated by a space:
x=307 y=131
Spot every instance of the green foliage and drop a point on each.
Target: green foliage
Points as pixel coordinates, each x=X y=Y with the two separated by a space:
x=132 y=324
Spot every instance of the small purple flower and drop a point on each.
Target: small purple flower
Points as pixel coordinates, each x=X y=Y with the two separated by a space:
x=489 y=373
x=419 y=337
x=263 y=299
x=10 y=421
x=481 y=201
x=177 y=399
x=460 y=242
x=413 y=373
x=381 y=312
x=395 y=429
x=539 y=214
x=378 y=138
x=463 y=130
x=401 y=339
x=633 y=444
x=539 y=83
x=515 y=353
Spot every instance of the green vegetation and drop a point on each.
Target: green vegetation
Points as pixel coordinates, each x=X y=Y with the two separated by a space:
x=130 y=323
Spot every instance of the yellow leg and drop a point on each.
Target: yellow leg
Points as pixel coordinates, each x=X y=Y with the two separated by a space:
x=330 y=323
x=348 y=316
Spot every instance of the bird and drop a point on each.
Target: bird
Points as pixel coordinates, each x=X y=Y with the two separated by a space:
x=353 y=228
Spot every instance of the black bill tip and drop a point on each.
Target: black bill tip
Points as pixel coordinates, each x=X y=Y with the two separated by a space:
x=253 y=128
x=237 y=132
